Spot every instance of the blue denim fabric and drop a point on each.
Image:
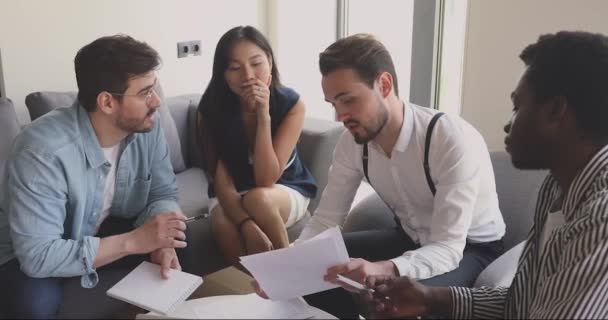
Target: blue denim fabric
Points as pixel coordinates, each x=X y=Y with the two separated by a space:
x=54 y=184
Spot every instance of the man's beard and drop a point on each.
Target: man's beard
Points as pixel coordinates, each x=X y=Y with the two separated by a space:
x=374 y=129
x=134 y=125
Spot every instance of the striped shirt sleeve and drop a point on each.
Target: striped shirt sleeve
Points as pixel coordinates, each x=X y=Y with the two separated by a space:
x=478 y=303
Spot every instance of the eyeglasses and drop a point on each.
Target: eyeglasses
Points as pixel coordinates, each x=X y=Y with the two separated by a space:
x=146 y=95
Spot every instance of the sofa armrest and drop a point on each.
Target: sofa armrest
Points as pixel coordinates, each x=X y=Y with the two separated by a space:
x=316 y=149
x=501 y=271
x=369 y=214
x=9 y=128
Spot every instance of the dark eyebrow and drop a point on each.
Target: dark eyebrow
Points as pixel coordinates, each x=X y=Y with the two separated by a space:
x=256 y=56
x=147 y=88
x=340 y=95
x=336 y=97
x=250 y=58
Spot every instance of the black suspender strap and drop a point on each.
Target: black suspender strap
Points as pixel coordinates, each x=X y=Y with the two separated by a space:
x=427 y=169
x=364 y=159
x=427 y=146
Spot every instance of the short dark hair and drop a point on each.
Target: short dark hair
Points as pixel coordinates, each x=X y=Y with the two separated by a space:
x=573 y=65
x=361 y=52
x=108 y=63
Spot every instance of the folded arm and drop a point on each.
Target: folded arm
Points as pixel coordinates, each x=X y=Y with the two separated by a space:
x=272 y=154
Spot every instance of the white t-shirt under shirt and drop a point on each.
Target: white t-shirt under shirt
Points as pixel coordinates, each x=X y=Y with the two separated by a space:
x=112 y=154
x=555 y=219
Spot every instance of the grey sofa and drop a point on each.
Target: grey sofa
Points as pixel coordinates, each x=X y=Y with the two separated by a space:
x=517 y=191
x=9 y=128
x=178 y=119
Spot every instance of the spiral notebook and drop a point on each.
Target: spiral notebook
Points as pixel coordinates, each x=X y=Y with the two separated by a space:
x=145 y=288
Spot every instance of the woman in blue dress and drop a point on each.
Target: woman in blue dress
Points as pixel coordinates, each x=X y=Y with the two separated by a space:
x=249 y=125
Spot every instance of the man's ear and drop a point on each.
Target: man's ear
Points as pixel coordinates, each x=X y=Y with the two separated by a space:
x=106 y=103
x=385 y=84
x=556 y=110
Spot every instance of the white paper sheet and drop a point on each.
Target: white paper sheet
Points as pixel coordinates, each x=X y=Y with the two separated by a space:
x=145 y=288
x=250 y=306
x=298 y=270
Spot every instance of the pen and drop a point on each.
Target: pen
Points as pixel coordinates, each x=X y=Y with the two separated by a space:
x=357 y=285
x=198 y=217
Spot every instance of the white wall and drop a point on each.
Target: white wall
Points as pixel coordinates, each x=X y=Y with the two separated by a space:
x=299 y=40
x=497 y=32
x=391 y=21
x=39 y=39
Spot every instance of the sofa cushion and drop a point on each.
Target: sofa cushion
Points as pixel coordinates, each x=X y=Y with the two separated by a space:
x=9 y=127
x=192 y=188
x=517 y=193
x=182 y=109
x=369 y=214
x=501 y=271
x=195 y=153
x=171 y=134
x=316 y=147
x=39 y=103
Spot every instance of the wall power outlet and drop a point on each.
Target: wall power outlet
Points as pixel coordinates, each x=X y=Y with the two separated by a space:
x=185 y=48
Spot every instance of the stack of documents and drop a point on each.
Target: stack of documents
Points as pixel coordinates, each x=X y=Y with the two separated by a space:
x=298 y=270
x=249 y=306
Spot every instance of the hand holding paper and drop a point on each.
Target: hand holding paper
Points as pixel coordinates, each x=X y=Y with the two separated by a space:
x=298 y=270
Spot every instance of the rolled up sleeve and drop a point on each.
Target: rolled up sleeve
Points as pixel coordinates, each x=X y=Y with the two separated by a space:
x=36 y=207
x=478 y=303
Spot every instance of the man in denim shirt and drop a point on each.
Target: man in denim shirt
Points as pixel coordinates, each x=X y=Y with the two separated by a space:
x=104 y=156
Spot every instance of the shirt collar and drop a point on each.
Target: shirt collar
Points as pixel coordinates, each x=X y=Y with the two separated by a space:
x=584 y=181
x=92 y=149
x=405 y=135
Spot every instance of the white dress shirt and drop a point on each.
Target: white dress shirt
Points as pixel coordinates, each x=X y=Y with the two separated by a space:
x=465 y=206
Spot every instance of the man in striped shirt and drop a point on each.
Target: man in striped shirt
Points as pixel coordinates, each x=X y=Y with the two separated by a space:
x=558 y=123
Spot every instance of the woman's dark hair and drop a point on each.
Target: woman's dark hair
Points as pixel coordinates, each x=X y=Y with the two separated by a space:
x=573 y=65
x=219 y=104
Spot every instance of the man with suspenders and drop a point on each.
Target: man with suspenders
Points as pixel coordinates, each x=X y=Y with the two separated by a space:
x=432 y=169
